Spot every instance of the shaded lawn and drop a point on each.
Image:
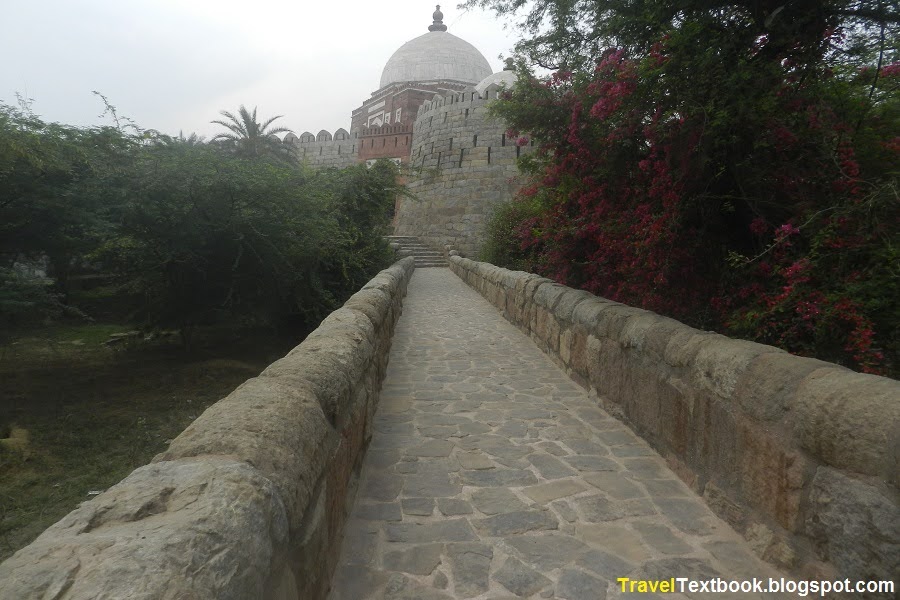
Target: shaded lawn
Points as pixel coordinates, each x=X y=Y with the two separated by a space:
x=92 y=414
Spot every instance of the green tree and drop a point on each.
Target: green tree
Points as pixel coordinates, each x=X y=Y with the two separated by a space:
x=207 y=236
x=249 y=138
x=729 y=163
x=54 y=203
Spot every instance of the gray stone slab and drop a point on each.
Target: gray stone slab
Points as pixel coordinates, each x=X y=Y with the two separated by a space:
x=400 y=587
x=661 y=538
x=552 y=448
x=544 y=493
x=520 y=579
x=431 y=485
x=516 y=522
x=451 y=530
x=453 y=506
x=547 y=552
x=593 y=463
x=474 y=461
x=565 y=510
x=432 y=448
x=598 y=509
x=549 y=467
x=470 y=564
x=493 y=501
x=582 y=446
x=578 y=585
x=438 y=431
x=498 y=478
x=442 y=419
x=422 y=507
x=472 y=428
x=512 y=429
x=418 y=560
x=607 y=565
x=615 y=485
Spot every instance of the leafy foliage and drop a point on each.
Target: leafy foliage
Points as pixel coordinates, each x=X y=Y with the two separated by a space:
x=731 y=164
x=194 y=233
x=248 y=138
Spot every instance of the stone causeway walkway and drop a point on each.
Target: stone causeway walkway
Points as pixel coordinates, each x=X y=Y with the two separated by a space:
x=491 y=475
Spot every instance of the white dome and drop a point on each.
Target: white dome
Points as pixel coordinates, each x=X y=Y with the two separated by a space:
x=505 y=79
x=434 y=56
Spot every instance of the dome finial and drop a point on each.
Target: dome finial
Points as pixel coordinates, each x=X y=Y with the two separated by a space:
x=438 y=17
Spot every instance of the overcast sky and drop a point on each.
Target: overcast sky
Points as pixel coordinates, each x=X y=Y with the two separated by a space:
x=172 y=65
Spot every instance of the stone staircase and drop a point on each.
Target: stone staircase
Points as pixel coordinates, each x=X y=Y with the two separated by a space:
x=425 y=256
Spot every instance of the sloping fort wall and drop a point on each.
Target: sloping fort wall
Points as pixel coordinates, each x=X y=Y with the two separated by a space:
x=800 y=456
x=462 y=165
x=250 y=500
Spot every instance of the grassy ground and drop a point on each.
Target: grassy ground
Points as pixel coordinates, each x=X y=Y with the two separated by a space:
x=79 y=416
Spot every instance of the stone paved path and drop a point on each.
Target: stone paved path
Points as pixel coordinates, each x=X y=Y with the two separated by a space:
x=492 y=475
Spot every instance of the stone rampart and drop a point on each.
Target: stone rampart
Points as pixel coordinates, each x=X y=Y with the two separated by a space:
x=250 y=500
x=325 y=150
x=463 y=165
x=800 y=456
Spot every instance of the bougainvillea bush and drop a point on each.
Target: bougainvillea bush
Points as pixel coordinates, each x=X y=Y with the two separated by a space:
x=735 y=171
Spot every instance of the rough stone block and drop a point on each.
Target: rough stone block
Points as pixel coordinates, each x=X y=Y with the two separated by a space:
x=772 y=476
x=324 y=374
x=712 y=449
x=210 y=528
x=684 y=346
x=721 y=361
x=770 y=382
x=676 y=408
x=279 y=430
x=856 y=525
x=851 y=421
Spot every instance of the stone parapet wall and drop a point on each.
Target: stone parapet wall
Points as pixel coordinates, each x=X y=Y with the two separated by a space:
x=325 y=150
x=462 y=166
x=250 y=500
x=800 y=456
x=330 y=153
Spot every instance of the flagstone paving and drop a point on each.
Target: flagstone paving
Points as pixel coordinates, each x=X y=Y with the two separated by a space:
x=491 y=475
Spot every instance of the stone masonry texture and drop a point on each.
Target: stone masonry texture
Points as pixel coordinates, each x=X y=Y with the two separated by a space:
x=491 y=474
x=462 y=166
x=800 y=456
x=249 y=502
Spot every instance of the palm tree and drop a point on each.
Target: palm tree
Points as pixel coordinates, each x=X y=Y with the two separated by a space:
x=247 y=137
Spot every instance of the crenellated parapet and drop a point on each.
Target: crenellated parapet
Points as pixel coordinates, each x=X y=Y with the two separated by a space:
x=464 y=164
x=456 y=131
x=324 y=149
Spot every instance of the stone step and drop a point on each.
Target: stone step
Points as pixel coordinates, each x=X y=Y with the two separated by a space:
x=417 y=248
x=425 y=256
